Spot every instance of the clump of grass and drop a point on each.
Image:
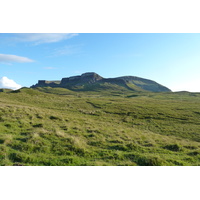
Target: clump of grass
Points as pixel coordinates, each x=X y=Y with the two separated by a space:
x=40 y=125
x=60 y=133
x=8 y=138
x=54 y=118
x=174 y=147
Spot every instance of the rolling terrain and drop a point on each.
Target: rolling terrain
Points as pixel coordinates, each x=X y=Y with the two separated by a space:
x=108 y=125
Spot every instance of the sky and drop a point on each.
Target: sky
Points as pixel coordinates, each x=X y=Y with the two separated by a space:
x=171 y=59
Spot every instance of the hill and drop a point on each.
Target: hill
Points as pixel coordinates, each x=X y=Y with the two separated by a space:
x=94 y=82
x=58 y=127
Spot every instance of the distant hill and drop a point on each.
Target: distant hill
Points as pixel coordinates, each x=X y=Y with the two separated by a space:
x=93 y=82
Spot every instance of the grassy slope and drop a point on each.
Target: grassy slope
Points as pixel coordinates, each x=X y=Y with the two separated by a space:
x=91 y=128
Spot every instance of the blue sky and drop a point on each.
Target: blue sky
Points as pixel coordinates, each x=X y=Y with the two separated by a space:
x=172 y=60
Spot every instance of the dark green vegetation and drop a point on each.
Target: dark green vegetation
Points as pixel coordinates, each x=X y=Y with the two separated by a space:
x=57 y=126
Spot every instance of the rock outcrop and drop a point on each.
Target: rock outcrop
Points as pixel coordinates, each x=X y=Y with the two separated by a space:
x=86 y=78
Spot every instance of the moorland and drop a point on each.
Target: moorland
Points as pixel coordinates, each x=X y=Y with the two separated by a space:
x=107 y=126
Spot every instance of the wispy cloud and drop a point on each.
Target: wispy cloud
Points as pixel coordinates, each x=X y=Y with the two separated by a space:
x=40 y=38
x=77 y=72
x=128 y=55
x=67 y=50
x=8 y=83
x=49 y=68
x=5 y=58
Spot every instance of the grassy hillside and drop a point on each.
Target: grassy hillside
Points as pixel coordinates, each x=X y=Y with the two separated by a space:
x=57 y=126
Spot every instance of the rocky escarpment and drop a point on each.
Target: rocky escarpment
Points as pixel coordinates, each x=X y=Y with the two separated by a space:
x=43 y=83
x=86 y=78
x=92 y=79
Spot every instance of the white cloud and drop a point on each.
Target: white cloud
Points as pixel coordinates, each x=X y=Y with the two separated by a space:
x=9 y=84
x=39 y=38
x=5 y=58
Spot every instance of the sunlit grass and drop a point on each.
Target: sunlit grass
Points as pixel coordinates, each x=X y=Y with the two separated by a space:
x=98 y=128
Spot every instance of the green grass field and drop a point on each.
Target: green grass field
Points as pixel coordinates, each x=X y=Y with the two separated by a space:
x=60 y=127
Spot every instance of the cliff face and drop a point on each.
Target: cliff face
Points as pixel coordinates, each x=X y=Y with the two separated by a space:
x=92 y=79
x=86 y=78
x=44 y=83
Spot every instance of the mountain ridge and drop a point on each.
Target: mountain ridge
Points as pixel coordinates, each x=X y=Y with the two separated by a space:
x=92 y=79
